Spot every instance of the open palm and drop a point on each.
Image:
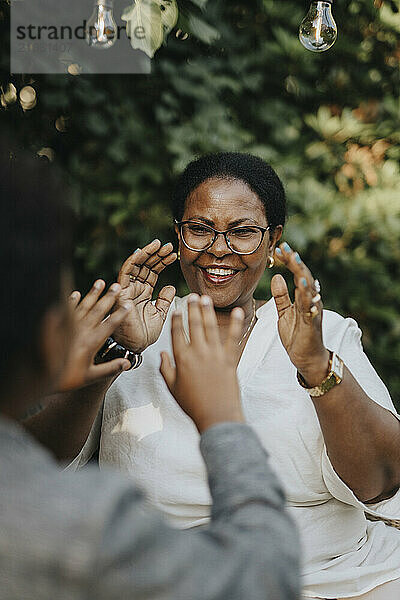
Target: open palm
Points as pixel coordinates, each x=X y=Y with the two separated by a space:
x=300 y=331
x=138 y=277
x=89 y=329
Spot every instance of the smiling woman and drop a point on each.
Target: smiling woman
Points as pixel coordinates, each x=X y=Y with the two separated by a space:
x=330 y=428
x=221 y=260
x=229 y=213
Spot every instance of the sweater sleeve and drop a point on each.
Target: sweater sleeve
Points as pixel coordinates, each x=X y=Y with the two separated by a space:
x=249 y=550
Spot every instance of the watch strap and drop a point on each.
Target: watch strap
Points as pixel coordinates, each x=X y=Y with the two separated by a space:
x=334 y=377
x=112 y=350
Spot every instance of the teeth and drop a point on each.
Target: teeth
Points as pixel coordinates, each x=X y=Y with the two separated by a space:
x=220 y=272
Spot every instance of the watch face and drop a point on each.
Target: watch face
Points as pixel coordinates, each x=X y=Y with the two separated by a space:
x=337 y=367
x=334 y=378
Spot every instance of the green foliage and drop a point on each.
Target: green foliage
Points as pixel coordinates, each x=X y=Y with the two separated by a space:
x=329 y=124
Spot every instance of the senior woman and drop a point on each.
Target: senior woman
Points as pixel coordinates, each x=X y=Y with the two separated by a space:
x=307 y=387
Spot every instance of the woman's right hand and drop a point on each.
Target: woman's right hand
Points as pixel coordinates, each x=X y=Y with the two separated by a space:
x=204 y=380
x=138 y=277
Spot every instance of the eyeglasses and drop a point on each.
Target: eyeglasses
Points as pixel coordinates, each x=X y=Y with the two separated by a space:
x=199 y=237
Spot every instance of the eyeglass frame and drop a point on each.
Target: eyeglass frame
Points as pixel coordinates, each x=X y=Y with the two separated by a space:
x=224 y=233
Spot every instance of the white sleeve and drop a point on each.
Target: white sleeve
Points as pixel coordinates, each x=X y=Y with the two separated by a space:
x=91 y=445
x=344 y=337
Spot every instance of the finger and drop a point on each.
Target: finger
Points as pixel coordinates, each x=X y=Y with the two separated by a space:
x=195 y=318
x=91 y=297
x=164 y=262
x=108 y=369
x=280 y=293
x=305 y=303
x=157 y=256
x=210 y=322
x=104 y=305
x=293 y=262
x=300 y=271
x=109 y=325
x=149 y=271
x=151 y=249
x=74 y=299
x=308 y=301
x=164 y=300
x=146 y=276
x=167 y=371
x=135 y=260
x=235 y=330
x=129 y=269
x=179 y=344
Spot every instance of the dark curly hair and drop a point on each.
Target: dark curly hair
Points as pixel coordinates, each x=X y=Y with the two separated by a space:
x=35 y=244
x=252 y=170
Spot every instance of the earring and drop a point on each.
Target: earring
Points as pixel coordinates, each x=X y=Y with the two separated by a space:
x=270 y=262
x=179 y=254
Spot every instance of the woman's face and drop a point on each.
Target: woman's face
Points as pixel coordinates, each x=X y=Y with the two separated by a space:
x=223 y=204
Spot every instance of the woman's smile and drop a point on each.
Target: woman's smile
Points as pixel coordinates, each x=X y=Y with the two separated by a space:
x=218 y=274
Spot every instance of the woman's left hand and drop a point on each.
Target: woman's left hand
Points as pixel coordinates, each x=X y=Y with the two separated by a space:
x=300 y=322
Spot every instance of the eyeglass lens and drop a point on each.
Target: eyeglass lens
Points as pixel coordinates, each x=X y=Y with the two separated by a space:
x=241 y=239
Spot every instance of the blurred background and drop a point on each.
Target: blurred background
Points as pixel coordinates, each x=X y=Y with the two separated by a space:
x=240 y=80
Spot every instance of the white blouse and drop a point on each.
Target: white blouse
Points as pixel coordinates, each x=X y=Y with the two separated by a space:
x=143 y=432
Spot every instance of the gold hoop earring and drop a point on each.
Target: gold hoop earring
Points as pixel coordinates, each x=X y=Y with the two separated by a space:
x=270 y=262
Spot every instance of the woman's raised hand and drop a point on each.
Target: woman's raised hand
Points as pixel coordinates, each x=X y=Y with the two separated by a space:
x=204 y=381
x=138 y=277
x=300 y=322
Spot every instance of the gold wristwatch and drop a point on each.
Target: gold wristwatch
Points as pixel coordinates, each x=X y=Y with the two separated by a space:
x=333 y=378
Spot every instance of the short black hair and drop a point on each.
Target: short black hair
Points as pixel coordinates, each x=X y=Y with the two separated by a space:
x=252 y=170
x=35 y=245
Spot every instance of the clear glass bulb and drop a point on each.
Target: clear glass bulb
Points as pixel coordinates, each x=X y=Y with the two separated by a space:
x=101 y=28
x=318 y=31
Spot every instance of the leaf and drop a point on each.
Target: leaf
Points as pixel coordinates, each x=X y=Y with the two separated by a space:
x=202 y=30
x=144 y=26
x=200 y=3
x=149 y=22
x=96 y=124
x=169 y=14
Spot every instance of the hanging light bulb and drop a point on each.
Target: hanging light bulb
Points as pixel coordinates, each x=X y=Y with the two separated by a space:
x=101 y=28
x=318 y=31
